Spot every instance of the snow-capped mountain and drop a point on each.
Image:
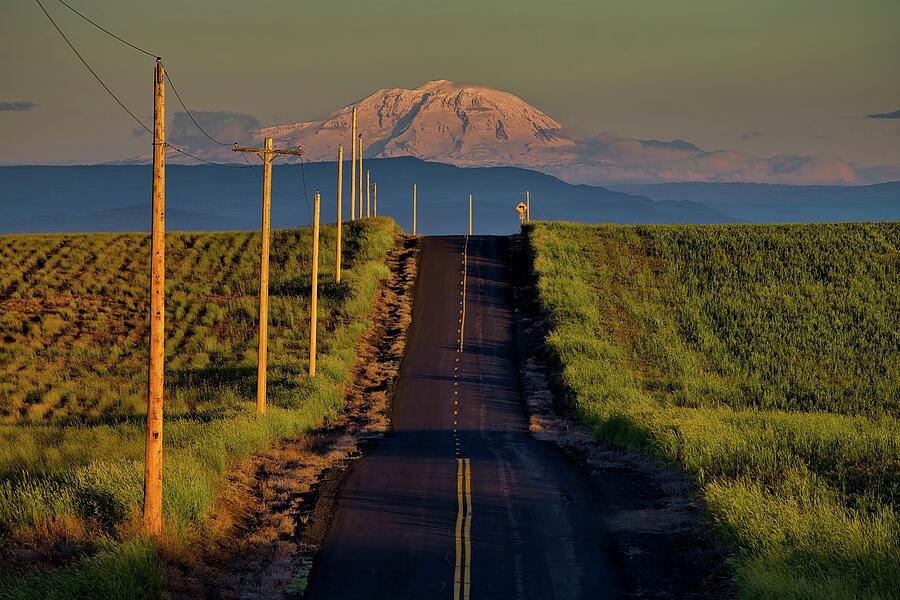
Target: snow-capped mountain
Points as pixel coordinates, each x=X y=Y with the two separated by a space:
x=438 y=121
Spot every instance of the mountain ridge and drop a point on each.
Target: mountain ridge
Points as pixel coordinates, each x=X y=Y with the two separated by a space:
x=442 y=121
x=475 y=125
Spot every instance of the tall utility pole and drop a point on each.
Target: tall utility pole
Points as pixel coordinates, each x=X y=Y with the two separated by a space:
x=414 y=209
x=314 y=301
x=527 y=205
x=470 y=214
x=368 y=194
x=353 y=167
x=153 y=456
x=337 y=254
x=360 y=149
x=268 y=154
x=375 y=199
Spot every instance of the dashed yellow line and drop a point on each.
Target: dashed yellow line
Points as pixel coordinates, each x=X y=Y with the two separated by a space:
x=462 y=320
x=463 y=565
x=462 y=571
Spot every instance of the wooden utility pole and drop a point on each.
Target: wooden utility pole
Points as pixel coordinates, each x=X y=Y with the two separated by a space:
x=153 y=456
x=470 y=214
x=368 y=194
x=375 y=199
x=414 y=209
x=527 y=205
x=314 y=301
x=360 y=150
x=337 y=254
x=268 y=154
x=263 y=345
x=353 y=167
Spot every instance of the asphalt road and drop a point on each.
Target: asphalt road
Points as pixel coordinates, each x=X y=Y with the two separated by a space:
x=459 y=501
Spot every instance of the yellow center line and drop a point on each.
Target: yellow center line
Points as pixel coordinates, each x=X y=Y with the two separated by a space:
x=461 y=575
x=457 y=576
x=467 y=539
x=462 y=321
x=463 y=567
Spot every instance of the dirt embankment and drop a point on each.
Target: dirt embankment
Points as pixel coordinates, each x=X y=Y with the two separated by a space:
x=275 y=508
x=656 y=517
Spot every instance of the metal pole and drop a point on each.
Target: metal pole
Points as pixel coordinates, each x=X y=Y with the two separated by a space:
x=470 y=214
x=368 y=194
x=153 y=456
x=414 y=209
x=375 y=199
x=527 y=205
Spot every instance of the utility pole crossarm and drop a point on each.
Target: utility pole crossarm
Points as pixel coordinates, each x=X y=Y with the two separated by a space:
x=297 y=152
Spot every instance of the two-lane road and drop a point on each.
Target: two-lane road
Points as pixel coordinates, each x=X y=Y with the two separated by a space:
x=459 y=501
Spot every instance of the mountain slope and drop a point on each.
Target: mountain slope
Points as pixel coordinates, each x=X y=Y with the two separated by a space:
x=441 y=121
x=473 y=125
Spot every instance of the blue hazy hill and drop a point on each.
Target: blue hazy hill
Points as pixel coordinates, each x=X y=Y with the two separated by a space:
x=203 y=198
x=206 y=198
x=767 y=203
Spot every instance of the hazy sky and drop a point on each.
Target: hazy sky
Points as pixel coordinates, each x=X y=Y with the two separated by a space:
x=766 y=77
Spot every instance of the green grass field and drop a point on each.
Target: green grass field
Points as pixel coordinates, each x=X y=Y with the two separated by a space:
x=73 y=380
x=766 y=361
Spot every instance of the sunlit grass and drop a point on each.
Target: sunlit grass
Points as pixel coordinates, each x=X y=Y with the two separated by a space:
x=72 y=436
x=765 y=360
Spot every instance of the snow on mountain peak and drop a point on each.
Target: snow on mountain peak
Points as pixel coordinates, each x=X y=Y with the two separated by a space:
x=439 y=120
x=473 y=125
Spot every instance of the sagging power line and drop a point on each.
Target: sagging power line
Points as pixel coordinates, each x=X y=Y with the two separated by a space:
x=108 y=32
x=118 y=101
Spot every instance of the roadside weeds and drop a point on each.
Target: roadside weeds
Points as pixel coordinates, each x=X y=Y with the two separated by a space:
x=656 y=516
x=273 y=511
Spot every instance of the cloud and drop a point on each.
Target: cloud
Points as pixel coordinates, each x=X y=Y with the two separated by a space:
x=890 y=115
x=879 y=173
x=608 y=158
x=674 y=144
x=225 y=126
x=17 y=106
x=747 y=135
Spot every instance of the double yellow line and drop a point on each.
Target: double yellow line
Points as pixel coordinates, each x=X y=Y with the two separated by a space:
x=463 y=567
x=461 y=577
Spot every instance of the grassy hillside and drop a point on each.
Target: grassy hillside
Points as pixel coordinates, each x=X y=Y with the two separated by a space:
x=766 y=360
x=73 y=376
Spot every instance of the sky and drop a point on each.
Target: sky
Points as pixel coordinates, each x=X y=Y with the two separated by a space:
x=765 y=77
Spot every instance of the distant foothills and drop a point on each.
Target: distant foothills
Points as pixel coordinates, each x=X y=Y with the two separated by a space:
x=470 y=125
x=208 y=198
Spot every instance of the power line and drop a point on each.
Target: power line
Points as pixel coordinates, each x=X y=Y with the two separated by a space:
x=122 y=104
x=180 y=101
x=305 y=195
x=107 y=31
x=209 y=162
x=252 y=168
x=94 y=73
x=150 y=54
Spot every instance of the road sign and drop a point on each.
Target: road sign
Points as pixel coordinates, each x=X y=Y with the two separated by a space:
x=521 y=208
